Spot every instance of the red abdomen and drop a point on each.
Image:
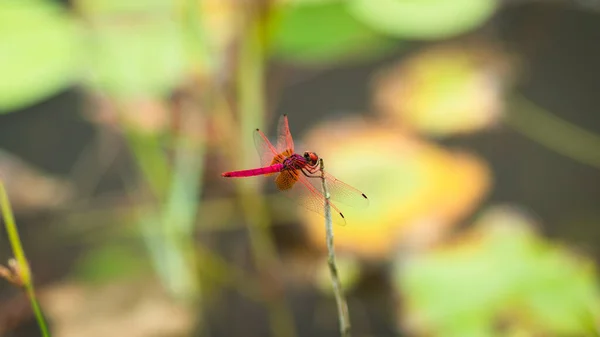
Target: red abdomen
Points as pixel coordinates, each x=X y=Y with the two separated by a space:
x=254 y=172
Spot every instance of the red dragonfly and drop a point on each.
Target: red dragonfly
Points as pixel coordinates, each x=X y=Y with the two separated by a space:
x=299 y=176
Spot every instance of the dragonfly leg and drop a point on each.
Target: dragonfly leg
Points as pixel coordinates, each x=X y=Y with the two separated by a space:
x=303 y=170
x=312 y=169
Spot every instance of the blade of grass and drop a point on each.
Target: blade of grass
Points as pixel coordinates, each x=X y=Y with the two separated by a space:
x=340 y=299
x=19 y=253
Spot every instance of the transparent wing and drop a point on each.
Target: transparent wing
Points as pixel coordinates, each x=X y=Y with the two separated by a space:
x=306 y=195
x=284 y=136
x=266 y=150
x=339 y=191
x=284 y=148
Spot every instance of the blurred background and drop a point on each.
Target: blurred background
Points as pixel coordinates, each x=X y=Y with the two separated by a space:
x=472 y=126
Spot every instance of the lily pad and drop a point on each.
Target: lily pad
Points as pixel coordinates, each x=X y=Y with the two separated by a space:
x=40 y=52
x=321 y=32
x=418 y=191
x=136 y=51
x=501 y=272
x=423 y=19
x=445 y=90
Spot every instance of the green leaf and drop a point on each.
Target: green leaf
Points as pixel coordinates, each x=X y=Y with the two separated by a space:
x=564 y=301
x=321 y=32
x=423 y=19
x=39 y=57
x=136 y=52
x=503 y=272
x=111 y=7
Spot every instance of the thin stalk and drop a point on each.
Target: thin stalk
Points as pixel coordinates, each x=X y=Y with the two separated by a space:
x=146 y=149
x=19 y=253
x=175 y=189
x=340 y=299
x=553 y=132
x=251 y=97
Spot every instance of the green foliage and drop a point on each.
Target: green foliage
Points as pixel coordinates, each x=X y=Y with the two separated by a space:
x=23 y=270
x=141 y=48
x=423 y=19
x=40 y=52
x=504 y=273
x=109 y=262
x=324 y=32
x=111 y=7
x=135 y=50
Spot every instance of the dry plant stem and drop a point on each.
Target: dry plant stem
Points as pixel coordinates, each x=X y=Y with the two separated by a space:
x=340 y=299
x=23 y=265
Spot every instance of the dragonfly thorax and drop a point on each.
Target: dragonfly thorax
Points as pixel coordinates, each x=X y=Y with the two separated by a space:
x=294 y=162
x=298 y=162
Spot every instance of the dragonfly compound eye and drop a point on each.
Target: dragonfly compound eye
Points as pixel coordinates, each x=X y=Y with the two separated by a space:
x=312 y=157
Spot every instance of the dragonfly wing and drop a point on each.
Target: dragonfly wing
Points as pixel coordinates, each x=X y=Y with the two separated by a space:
x=266 y=150
x=306 y=195
x=339 y=191
x=284 y=136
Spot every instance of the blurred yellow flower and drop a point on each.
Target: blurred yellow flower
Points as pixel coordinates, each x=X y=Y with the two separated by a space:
x=444 y=90
x=416 y=189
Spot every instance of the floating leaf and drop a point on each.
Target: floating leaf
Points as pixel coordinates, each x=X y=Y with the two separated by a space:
x=136 y=54
x=40 y=52
x=423 y=19
x=314 y=32
x=444 y=90
x=417 y=190
x=501 y=273
x=111 y=7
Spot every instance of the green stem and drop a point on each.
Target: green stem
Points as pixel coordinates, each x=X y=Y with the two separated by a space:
x=553 y=132
x=251 y=104
x=17 y=247
x=175 y=188
x=146 y=149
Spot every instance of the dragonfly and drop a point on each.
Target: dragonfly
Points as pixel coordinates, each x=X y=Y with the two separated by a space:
x=299 y=175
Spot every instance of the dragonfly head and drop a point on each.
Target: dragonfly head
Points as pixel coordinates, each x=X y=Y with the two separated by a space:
x=311 y=157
